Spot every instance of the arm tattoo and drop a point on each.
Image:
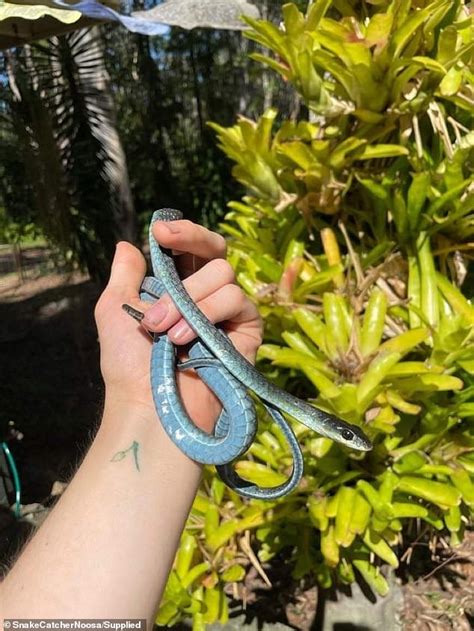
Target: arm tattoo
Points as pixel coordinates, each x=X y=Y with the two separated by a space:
x=120 y=455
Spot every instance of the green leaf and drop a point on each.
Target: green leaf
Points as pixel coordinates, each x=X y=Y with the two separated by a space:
x=382 y=151
x=270 y=268
x=222 y=534
x=212 y=599
x=166 y=613
x=405 y=510
x=263 y=133
x=334 y=319
x=317 y=512
x=329 y=547
x=431 y=382
x=293 y=19
x=436 y=17
x=300 y=343
x=311 y=83
x=447 y=197
x=437 y=493
x=380 y=547
x=401 y=81
x=374 y=322
x=265 y=33
x=405 y=341
x=407 y=369
x=383 y=510
x=359 y=55
x=299 y=153
x=452 y=519
x=257 y=175
x=212 y=519
x=452 y=82
x=185 y=554
x=339 y=72
x=417 y=194
x=346 y=572
x=429 y=64
x=378 y=29
x=371 y=576
x=447 y=44
x=233 y=574
x=312 y=325
x=455 y=298
x=462 y=481
x=377 y=371
x=360 y=515
x=279 y=67
x=345 y=149
x=323 y=574
x=289 y=358
x=198 y=622
x=377 y=190
x=320 y=281
x=259 y=473
x=414 y=21
x=195 y=573
x=343 y=534
x=316 y=11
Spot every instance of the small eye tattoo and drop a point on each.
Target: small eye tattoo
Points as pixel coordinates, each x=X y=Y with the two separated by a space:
x=347 y=435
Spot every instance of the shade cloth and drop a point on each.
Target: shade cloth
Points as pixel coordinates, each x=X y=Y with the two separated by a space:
x=23 y=21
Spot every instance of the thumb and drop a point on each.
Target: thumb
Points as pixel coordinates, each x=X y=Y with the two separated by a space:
x=128 y=268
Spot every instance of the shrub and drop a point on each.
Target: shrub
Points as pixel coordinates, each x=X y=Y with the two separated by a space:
x=350 y=241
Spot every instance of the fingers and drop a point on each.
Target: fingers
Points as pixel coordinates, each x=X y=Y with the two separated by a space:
x=185 y=236
x=226 y=303
x=126 y=275
x=204 y=282
x=128 y=269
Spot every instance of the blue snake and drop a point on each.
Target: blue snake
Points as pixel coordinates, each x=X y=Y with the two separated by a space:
x=230 y=376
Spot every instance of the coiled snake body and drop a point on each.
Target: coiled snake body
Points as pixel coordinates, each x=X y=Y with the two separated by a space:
x=230 y=376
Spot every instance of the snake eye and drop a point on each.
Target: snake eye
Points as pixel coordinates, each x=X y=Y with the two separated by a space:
x=347 y=434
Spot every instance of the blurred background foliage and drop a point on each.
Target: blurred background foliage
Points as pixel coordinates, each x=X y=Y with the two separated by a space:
x=132 y=110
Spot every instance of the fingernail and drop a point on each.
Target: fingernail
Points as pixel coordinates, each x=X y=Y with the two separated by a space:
x=155 y=314
x=181 y=331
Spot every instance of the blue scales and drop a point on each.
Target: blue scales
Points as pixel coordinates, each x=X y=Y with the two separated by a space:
x=230 y=376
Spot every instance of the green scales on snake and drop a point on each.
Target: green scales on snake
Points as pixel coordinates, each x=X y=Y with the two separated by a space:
x=230 y=376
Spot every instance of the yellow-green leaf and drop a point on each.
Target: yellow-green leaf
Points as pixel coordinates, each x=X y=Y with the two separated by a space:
x=438 y=493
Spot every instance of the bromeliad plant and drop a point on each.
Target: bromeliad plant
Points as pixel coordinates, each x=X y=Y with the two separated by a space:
x=352 y=240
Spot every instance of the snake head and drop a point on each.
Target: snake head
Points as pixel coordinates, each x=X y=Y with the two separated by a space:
x=346 y=434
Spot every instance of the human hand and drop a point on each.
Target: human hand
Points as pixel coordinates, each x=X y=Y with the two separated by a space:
x=126 y=345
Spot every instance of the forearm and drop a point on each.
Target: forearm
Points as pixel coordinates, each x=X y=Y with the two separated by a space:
x=107 y=546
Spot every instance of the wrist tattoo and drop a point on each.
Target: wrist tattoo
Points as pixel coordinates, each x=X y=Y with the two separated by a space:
x=120 y=455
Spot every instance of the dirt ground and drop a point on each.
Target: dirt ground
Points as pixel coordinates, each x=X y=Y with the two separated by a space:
x=50 y=385
x=51 y=389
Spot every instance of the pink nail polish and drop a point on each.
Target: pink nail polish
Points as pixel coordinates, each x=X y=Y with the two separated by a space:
x=155 y=314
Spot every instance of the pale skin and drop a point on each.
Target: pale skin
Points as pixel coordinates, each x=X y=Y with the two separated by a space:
x=107 y=547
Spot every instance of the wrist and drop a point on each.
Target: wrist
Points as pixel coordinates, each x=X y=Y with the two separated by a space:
x=120 y=405
x=125 y=419
x=125 y=422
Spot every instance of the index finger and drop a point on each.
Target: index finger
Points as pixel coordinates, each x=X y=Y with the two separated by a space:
x=189 y=237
